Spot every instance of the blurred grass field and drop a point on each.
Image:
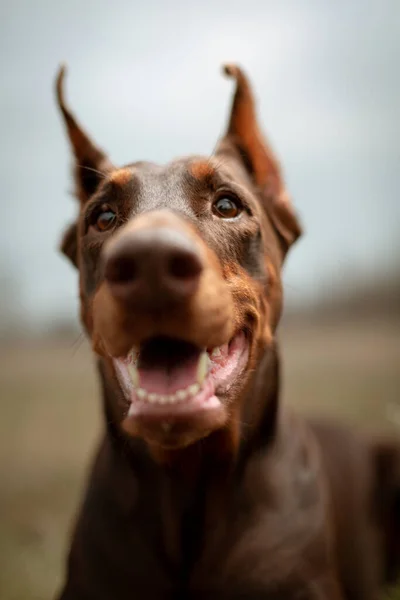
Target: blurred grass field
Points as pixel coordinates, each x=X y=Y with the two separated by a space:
x=51 y=418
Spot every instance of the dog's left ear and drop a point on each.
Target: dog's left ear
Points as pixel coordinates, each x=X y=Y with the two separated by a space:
x=91 y=163
x=90 y=167
x=244 y=138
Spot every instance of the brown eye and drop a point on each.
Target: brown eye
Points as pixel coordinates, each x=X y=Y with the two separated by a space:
x=105 y=220
x=226 y=208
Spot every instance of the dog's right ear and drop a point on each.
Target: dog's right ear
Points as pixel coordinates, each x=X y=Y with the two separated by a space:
x=244 y=139
x=91 y=164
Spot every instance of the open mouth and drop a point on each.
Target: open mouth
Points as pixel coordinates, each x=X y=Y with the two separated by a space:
x=170 y=378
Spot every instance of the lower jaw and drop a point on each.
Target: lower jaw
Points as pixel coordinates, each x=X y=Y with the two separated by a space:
x=178 y=426
x=177 y=431
x=180 y=423
x=205 y=399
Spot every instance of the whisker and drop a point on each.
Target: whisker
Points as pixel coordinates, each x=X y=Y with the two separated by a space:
x=101 y=173
x=211 y=158
x=216 y=146
x=76 y=344
x=219 y=162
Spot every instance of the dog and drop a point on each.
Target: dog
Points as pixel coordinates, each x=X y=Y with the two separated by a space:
x=204 y=485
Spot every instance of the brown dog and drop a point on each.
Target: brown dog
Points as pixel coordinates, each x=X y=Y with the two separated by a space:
x=204 y=486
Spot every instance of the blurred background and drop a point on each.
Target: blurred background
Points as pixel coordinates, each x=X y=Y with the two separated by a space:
x=145 y=80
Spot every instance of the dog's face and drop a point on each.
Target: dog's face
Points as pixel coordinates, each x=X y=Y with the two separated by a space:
x=180 y=275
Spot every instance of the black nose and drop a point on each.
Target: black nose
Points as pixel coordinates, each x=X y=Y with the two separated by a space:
x=153 y=267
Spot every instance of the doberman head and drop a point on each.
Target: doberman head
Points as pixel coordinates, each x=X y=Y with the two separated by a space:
x=180 y=282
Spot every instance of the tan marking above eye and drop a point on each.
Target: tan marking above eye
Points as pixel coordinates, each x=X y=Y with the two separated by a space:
x=201 y=169
x=121 y=176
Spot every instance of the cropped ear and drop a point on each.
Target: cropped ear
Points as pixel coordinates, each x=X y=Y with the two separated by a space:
x=69 y=244
x=244 y=138
x=91 y=164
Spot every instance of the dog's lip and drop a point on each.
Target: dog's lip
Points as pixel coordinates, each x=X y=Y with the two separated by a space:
x=225 y=366
x=204 y=400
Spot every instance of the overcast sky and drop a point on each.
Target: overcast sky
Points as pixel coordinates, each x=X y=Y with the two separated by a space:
x=144 y=78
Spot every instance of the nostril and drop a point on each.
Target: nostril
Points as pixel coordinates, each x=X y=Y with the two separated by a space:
x=120 y=269
x=184 y=265
x=152 y=266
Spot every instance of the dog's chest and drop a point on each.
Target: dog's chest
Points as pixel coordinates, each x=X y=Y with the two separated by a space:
x=163 y=540
x=253 y=554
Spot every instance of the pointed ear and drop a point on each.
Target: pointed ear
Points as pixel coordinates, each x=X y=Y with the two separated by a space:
x=91 y=164
x=244 y=139
x=69 y=244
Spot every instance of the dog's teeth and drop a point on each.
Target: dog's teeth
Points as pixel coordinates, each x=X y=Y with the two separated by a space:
x=193 y=389
x=180 y=395
x=141 y=393
x=216 y=352
x=133 y=355
x=134 y=375
x=202 y=367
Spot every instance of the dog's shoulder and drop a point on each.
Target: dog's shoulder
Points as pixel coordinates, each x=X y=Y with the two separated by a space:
x=363 y=474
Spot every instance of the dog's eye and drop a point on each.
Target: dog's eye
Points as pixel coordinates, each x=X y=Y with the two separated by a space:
x=226 y=208
x=105 y=220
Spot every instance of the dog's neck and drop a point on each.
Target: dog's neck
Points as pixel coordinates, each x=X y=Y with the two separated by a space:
x=187 y=494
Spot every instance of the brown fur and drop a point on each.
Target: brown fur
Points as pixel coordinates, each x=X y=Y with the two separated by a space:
x=249 y=501
x=201 y=169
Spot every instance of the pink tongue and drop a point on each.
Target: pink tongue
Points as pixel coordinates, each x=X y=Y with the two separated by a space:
x=163 y=380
